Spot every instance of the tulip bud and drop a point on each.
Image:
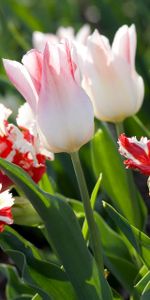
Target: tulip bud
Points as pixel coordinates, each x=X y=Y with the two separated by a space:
x=109 y=75
x=24 y=213
x=49 y=83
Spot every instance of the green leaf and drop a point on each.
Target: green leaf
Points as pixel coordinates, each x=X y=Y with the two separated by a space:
x=64 y=234
x=46 y=185
x=146 y=292
x=36 y=297
x=133 y=126
x=142 y=272
x=46 y=278
x=77 y=207
x=116 y=254
x=23 y=297
x=92 y=200
x=139 y=240
x=142 y=285
x=107 y=160
x=95 y=190
x=116 y=296
x=15 y=285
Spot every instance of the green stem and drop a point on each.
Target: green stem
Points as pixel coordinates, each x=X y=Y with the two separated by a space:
x=119 y=128
x=93 y=230
x=141 y=125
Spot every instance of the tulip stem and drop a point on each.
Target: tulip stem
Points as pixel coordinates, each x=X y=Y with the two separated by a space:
x=93 y=230
x=119 y=128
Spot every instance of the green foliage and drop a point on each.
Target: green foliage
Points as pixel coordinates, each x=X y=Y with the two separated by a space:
x=107 y=160
x=15 y=285
x=62 y=226
x=48 y=279
x=139 y=240
x=117 y=255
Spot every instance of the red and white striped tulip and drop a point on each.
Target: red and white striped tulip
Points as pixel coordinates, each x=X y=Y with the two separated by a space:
x=49 y=83
x=6 y=202
x=20 y=147
x=136 y=152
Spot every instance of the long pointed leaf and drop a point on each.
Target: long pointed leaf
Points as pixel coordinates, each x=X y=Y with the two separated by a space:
x=64 y=234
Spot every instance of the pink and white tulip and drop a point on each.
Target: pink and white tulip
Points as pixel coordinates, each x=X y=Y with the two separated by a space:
x=109 y=75
x=6 y=202
x=39 y=39
x=49 y=83
x=136 y=152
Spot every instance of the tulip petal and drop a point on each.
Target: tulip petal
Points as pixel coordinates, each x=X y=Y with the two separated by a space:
x=65 y=32
x=26 y=121
x=136 y=152
x=83 y=33
x=21 y=79
x=110 y=86
x=32 y=61
x=133 y=44
x=124 y=44
x=131 y=148
x=121 y=43
x=39 y=39
x=109 y=75
x=65 y=113
x=100 y=50
x=139 y=89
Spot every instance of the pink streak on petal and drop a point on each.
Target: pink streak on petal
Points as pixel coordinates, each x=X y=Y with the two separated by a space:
x=71 y=65
x=133 y=42
x=121 y=43
x=32 y=60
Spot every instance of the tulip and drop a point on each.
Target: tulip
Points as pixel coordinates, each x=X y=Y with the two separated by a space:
x=26 y=121
x=63 y=112
x=39 y=39
x=6 y=202
x=20 y=147
x=49 y=83
x=109 y=75
x=136 y=152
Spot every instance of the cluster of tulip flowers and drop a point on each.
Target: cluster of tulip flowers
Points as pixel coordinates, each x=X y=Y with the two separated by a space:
x=68 y=80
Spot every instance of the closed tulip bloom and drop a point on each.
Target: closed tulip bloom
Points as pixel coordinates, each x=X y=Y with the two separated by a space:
x=49 y=82
x=110 y=77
